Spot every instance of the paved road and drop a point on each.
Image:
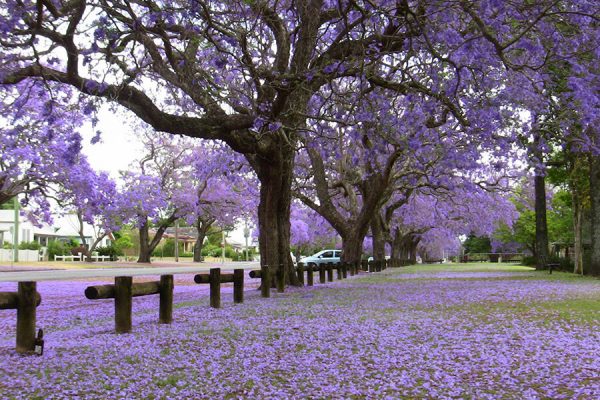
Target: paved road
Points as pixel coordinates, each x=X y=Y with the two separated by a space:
x=162 y=269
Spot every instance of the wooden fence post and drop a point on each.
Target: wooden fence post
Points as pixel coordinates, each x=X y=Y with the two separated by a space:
x=123 y=303
x=26 y=316
x=338 y=268
x=321 y=273
x=345 y=269
x=165 y=314
x=265 y=281
x=215 y=287
x=238 y=285
x=330 y=272
x=300 y=272
x=310 y=278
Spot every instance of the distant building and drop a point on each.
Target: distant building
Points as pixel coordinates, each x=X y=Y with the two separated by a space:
x=185 y=235
x=63 y=229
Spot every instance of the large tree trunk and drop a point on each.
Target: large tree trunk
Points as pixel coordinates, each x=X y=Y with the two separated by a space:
x=594 y=267
x=577 y=227
x=145 y=252
x=403 y=248
x=275 y=177
x=202 y=228
x=412 y=248
x=88 y=251
x=352 y=244
x=148 y=245
x=396 y=246
x=541 y=226
x=378 y=238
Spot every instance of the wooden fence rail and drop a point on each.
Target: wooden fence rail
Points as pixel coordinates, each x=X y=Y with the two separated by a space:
x=214 y=278
x=124 y=290
x=26 y=299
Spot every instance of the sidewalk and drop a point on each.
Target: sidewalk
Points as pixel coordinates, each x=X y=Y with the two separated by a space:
x=62 y=265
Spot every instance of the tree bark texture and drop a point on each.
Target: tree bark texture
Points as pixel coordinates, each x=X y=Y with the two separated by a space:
x=352 y=244
x=275 y=177
x=577 y=234
x=541 y=225
x=148 y=245
x=202 y=227
x=594 y=267
x=145 y=252
x=378 y=238
x=404 y=247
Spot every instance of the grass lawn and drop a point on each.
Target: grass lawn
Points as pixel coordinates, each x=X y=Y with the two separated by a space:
x=461 y=331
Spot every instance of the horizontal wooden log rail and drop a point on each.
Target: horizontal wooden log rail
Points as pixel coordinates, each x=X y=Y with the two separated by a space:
x=214 y=278
x=325 y=272
x=24 y=300
x=205 y=278
x=10 y=300
x=108 y=291
x=124 y=290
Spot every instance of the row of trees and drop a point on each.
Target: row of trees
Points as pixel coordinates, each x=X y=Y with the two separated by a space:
x=357 y=108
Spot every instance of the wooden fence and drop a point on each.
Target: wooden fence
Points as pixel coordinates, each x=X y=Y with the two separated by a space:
x=26 y=298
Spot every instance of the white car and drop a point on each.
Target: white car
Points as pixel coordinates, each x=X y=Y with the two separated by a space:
x=322 y=257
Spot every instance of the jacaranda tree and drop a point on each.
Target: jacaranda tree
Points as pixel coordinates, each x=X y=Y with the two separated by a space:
x=40 y=147
x=245 y=72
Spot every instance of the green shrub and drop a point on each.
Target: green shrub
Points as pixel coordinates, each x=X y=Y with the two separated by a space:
x=123 y=242
x=113 y=251
x=167 y=249
x=29 y=246
x=230 y=252
x=208 y=249
x=565 y=263
x=56 y=248
x=528 y=261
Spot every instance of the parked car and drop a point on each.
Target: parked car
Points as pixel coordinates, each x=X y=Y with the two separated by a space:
x=322 y=257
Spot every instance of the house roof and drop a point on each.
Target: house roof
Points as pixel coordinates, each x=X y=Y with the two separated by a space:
x=63 y=226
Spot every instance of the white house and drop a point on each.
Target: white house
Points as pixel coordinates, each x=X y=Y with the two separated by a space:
x=64 y=228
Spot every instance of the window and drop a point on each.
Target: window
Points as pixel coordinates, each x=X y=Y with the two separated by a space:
x=327 y=254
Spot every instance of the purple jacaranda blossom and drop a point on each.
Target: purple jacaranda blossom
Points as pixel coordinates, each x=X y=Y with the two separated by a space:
x=419 y=333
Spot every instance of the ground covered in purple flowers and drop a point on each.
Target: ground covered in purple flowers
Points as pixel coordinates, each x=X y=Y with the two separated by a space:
x=422 y=332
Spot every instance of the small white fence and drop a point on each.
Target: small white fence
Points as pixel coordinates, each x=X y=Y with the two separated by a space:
x=24 y=255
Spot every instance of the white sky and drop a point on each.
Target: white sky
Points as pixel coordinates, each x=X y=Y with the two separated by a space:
x=118 y=147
